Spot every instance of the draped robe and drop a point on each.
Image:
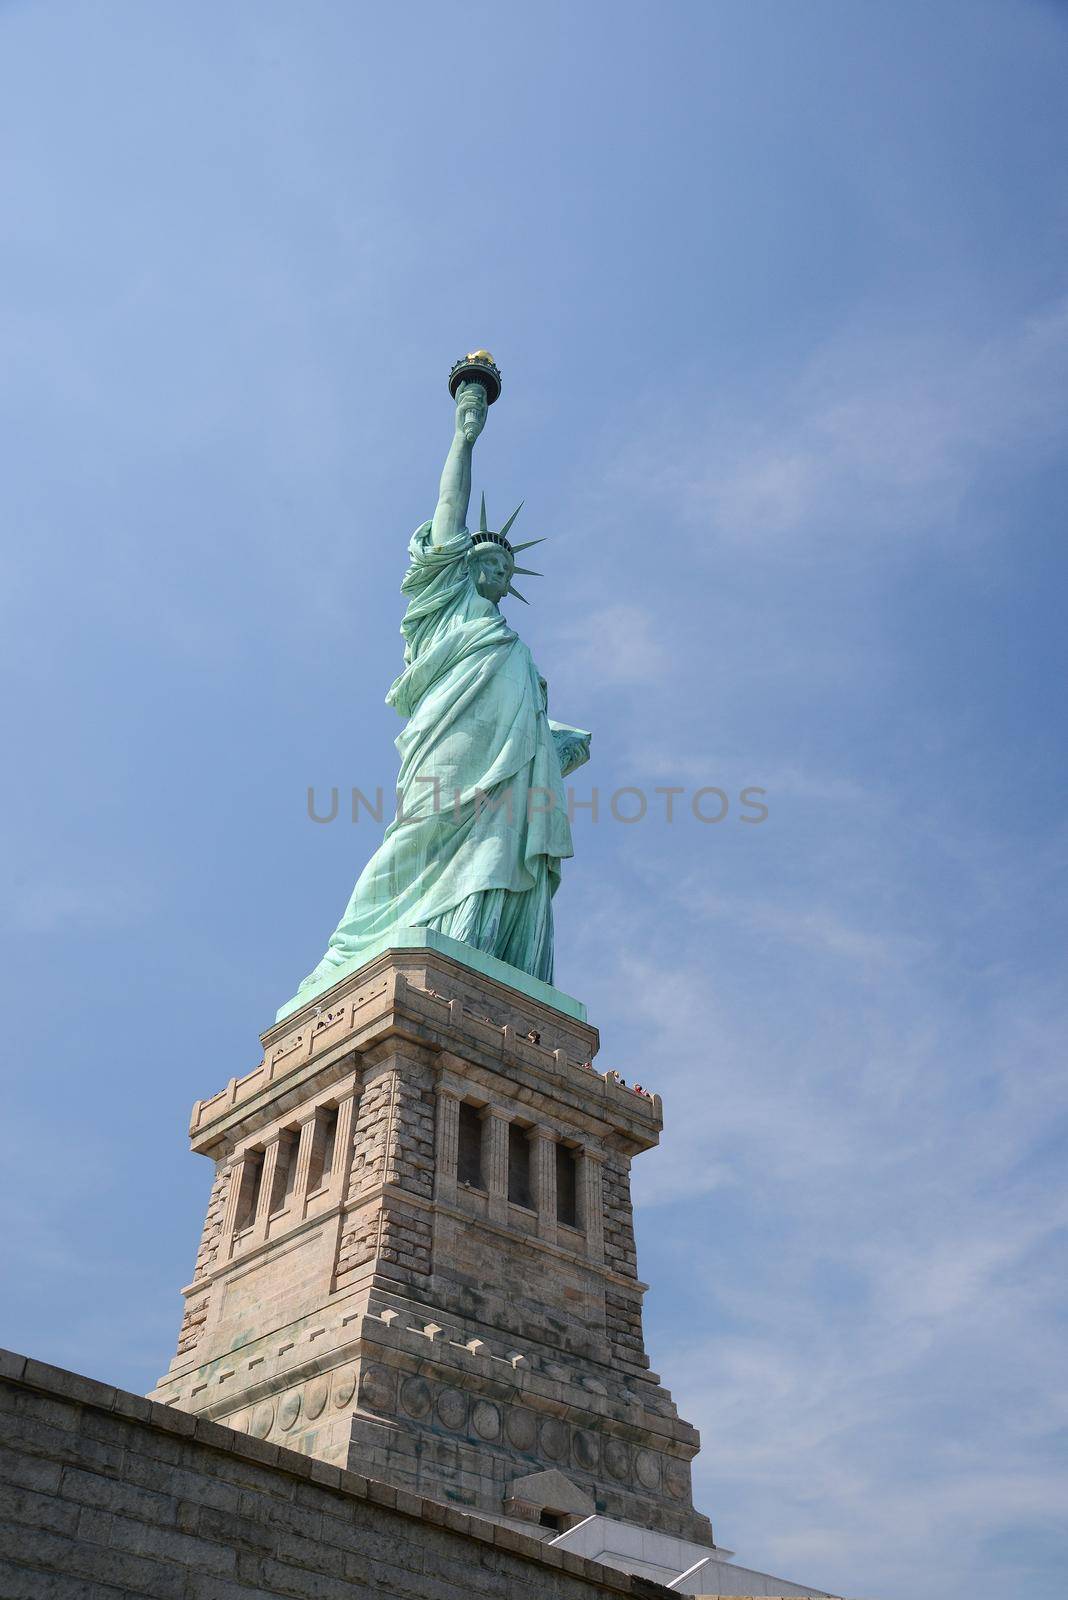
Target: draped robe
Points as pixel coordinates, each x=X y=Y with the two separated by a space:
x=481 y=824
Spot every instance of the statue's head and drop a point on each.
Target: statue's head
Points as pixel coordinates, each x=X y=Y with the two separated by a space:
x=491 y=569
x=471 y=408
x=491 y=559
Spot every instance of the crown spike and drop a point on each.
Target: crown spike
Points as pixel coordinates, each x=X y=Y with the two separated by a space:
x=483 y=525
x=511 y=519
x=515 y=591
x=517 y=547
x=528 y=572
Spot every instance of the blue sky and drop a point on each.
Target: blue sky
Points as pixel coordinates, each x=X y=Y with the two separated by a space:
x=780 y=298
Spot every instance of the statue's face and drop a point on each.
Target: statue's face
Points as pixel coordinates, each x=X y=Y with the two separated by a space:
x=491 y=571
x=471 y=408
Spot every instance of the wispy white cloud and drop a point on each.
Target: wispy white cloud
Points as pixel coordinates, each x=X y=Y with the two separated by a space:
x=615 y=645
x=858 y=1033
x=859 y=1200
x=886 y=432
x=881 y=1381
x=49 y=904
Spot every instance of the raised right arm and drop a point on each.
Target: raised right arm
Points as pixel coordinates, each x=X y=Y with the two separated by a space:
x=454 y=492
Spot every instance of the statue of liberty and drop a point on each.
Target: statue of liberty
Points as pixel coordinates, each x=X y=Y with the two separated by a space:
x=481 y=826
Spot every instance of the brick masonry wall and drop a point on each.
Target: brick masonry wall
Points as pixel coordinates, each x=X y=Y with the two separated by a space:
x=359 y=1243
x=104 y=1495
x=623 y=1309
x=368 y=1168
x=393 y=1143
x=194 y=1317
x=406 y=1241
x=619 y=1250
x=623 y=1316
x=196 y=1309
x=208 y=1252
x=410 y=1159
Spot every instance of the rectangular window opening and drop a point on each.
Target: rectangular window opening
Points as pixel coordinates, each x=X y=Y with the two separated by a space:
x=469 y=1147
x=566 y=1187
x=519 y=1166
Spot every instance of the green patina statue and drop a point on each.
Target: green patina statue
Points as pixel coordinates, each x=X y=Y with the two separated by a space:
x=482 y=826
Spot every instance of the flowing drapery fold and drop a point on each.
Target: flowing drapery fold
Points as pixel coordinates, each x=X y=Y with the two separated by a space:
x=481 y=824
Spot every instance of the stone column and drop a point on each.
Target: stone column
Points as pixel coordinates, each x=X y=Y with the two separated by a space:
x=543 y=1163
x=233 y=1200
x=495 y=1164
x=304 y=1151
x=263 y=1204
x=447 y=1144
x=339 y=1178
x=591 y=1204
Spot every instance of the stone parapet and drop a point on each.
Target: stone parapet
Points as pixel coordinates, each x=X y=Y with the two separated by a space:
x=396 y=996
x=105 y=1494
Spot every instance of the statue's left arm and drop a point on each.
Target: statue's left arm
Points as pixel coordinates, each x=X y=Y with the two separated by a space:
x=572 y=746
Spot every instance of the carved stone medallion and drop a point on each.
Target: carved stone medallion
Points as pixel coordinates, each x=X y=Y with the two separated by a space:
x=452 y=1409
x=262 y=1419
x=344 y=1386
x=554 y=1439
x=288 y=1410
x=521 y=1428
x=415 y=1397
x=315 y=1397
x=486 y=1420
x=377 y=1388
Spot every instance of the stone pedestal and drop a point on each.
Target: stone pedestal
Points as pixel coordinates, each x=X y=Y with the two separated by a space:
x=418 y=1261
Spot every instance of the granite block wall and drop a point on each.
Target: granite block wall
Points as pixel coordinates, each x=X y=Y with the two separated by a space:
x=104 y=1495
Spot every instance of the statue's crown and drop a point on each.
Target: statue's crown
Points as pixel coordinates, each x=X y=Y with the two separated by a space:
x=480 y=367
x=485 y=535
